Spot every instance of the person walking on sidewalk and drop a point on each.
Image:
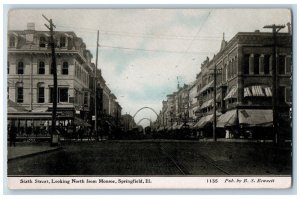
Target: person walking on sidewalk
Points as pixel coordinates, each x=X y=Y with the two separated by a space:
x=12 y=136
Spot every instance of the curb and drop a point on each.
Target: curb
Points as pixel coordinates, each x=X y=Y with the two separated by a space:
x=33 y=154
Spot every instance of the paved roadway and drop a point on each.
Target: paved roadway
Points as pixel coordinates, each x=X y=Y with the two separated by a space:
x=155 y=158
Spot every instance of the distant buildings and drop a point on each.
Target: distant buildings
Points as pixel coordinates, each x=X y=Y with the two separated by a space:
x=244 y=85
x=30 y=82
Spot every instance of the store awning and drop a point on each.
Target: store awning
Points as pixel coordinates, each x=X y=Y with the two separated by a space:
x=207 y=86
x=81 y=122
x=268 y=92
x=227 y=119
x=203 y=121
x=206 y=104
x=232 y=93
x=255 y=117
x=257 y=91
x=15 y=107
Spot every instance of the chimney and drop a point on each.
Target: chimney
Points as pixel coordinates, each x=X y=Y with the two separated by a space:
x=31 y=26
x=256 y=31
x=29 y=33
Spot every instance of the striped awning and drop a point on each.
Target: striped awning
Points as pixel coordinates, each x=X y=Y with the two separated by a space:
x=257 y=91
x=268 y=92
x=232 y=93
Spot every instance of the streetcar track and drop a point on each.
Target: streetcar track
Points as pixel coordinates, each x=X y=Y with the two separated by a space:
x=179 y=167
x=203 y=157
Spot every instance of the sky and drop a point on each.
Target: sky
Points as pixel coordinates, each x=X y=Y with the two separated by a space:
x=145 y=53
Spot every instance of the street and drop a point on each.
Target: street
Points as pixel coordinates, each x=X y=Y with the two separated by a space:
x=157 y=157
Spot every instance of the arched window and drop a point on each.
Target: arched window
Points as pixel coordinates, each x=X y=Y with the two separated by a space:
x=20 y=68
x=65 y=68
x=41 y=93
x=256 y=64
x=41 y=68
x=42 y=42
x=19 y=92
x=12 y=41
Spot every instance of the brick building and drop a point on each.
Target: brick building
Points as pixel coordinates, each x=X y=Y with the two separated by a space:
x=244 y=81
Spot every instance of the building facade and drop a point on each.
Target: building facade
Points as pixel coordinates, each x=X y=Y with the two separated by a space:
x=244 y=82
x=244 y=85
x=30 y=82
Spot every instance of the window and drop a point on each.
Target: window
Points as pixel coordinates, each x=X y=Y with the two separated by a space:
x=256 y=64
x=7 y=67
x=281 y=64
x=50 y=94
x=20 y=68
x=12 y=41
x=41 y=94
x=63 y=95
x=267 y=64
x=42 y=42
x=62 y=41
x=246 y=64
x=41 y=67
x=65 y=68
x=20 y=94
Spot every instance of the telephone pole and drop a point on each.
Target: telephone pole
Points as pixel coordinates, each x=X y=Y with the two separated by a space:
x=275 y=30
x=54 y=135
x=96 y=66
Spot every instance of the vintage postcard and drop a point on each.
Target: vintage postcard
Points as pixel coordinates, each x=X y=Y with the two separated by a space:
x=149 y=98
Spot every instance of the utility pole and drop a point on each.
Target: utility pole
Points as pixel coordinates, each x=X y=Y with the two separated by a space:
x=54 y=135
x=96 y=66
x=275 y=30
x=215 y=108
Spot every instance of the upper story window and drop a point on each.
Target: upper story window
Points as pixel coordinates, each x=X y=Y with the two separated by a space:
x=62 y=41
x=65 y=68
x=42 y=42
x=20 y=93
x=41 y=93
x=256 y=64
x=41 y=68
x=267 y=64
x=63 y=95
x=20 y=69
x=12 y=41
x=246 y=64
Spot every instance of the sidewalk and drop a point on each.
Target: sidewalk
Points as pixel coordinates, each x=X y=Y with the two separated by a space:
x=22 y=150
